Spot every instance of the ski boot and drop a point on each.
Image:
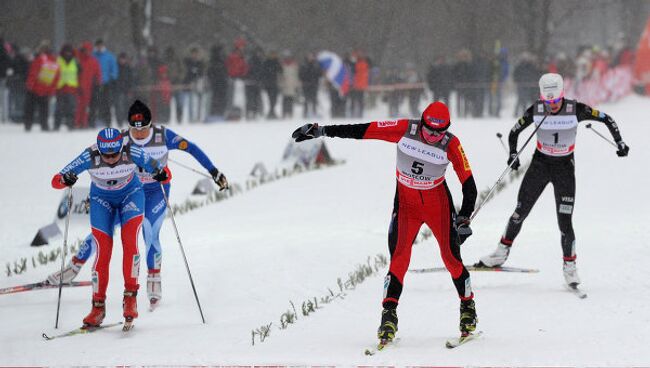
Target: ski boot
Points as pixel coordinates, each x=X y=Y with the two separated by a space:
x=154 y=289
x=468 y=317
x=571 y=273
x=96 y=315
x=496 y=258
x=388 y=327
x=130 y=308
x=70 y=271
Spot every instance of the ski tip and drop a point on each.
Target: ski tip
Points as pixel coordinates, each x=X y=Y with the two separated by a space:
x=128 y=325
x=454 y=343
x=46 y=337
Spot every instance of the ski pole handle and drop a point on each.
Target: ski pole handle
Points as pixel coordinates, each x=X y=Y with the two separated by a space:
x=600 y=135
x=499 y=135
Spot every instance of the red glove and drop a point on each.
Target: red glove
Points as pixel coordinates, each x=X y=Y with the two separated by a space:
x=57 y=181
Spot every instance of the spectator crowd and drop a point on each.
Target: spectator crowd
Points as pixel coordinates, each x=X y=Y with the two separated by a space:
x=88 y=86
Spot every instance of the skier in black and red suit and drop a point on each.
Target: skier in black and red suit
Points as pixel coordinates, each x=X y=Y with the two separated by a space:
x=424 y=149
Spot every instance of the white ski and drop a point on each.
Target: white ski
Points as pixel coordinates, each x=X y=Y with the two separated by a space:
x=576 y=291
x=453 y=343
x=380 y=347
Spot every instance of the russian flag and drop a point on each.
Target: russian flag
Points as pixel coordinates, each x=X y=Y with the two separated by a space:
x=336 y=71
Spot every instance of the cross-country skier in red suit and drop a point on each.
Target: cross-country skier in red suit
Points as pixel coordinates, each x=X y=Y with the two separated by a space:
x=424 y=149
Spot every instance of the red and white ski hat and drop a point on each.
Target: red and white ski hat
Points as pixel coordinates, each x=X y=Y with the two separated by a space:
x=436 y=116
x=551 y=87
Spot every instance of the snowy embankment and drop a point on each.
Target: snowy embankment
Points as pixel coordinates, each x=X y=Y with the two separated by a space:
x=290 y=241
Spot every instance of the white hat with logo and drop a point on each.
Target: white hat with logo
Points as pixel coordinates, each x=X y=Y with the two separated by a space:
x=551 y=86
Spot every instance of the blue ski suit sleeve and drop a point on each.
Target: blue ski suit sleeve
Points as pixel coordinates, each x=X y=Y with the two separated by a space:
x=79 y=164
x=143 y=160
x=176 y=142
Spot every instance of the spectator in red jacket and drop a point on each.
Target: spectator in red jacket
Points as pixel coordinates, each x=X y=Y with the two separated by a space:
x=90 y=78
x=361 y=72
x=237 y=69
x=42 y=79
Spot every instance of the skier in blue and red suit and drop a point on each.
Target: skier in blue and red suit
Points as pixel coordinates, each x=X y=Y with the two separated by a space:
x=156 y=141
x=116 y=190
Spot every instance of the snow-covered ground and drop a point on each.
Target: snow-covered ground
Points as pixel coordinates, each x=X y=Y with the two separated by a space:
x=290 y=241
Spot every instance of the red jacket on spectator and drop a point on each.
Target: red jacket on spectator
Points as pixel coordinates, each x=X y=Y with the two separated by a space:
x=236 y=64
x=361 y=75
x=91 y=73
x=43 y=75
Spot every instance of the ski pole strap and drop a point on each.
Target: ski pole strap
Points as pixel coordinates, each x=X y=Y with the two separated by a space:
x=507 y=170
x=601 y=136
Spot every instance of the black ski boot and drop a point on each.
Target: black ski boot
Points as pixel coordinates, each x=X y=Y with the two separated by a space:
x=468 y=317
x=388 y=327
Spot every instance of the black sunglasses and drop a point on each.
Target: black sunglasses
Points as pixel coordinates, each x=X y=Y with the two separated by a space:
x=110 y=155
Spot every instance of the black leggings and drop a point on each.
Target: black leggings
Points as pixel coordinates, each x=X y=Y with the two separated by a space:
x=543 y=170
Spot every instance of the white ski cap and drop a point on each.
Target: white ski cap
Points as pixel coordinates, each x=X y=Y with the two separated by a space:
x=551 y=86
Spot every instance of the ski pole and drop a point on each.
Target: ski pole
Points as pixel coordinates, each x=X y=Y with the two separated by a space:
x=190 y=168
x=65 y=246
x=499 y=135
x=180 y=244
x=600 y=135
x=507 y=170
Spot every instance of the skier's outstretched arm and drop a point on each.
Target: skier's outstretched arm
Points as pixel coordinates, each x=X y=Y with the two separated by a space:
x=585 y=112
x=69 y=175
x=143 y=160
x=175 y=141
x=391 y=131
x=519 y=127
x=149 y=164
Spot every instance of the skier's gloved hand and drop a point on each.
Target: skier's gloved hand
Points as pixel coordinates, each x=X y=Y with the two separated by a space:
x=623 y=149
x=462 y=228
x=161 y=175
x=308 y=131
x=513 y=157
x=220 y=179
x=69 y=178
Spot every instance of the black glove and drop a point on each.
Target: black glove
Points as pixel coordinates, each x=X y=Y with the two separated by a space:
x=623 y=149
x=515 y=164
x=462 y=228
x=69 y=178
x=308 y=131
x=220 y=179
x=161 y=175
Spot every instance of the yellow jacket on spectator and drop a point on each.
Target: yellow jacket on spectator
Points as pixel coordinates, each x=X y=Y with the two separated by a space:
x=69 y=80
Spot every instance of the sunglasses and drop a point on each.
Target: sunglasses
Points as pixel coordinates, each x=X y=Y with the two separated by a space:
x=554 y=101
x=433 y=132
x=110 y=155
x=141 y=127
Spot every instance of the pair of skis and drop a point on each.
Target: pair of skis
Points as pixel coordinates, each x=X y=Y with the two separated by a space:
x=40 y=286
x=127 y=326
x=478 y=267
x=573 y=288
x=83 y=330
x=449 y=344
